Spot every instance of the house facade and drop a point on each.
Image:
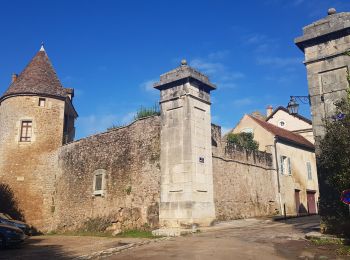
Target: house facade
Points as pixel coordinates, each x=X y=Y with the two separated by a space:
x=295 y=123
x=293 y=159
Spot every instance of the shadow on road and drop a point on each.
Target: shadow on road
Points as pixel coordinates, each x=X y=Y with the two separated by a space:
x=34 y=249
x=304 y=224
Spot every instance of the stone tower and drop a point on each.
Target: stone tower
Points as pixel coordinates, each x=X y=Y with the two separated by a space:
x=326 y=44
x=186 y=156
x=36 y=118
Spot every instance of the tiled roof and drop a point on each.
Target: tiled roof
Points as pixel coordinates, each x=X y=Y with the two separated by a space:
x=286 y=110
x=39 y=77
x=284 y=134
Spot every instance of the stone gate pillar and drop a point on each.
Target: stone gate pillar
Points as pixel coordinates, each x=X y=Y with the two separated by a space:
x=326 y=44
x=186 y=197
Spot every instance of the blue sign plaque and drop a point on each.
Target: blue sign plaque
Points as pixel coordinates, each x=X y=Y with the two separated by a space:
x=345 y=197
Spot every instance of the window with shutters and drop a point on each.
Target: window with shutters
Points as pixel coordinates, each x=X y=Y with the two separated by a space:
x=289 y=166
x=26 y=131
x=309 y=173
x=285 y=165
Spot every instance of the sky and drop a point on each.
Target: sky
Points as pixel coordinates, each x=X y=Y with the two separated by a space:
x=111 y=52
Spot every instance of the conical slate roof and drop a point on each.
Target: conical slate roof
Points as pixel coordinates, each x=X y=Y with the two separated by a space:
x=38 y=78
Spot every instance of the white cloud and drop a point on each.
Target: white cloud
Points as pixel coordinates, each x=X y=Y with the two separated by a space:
x=242 y=102
x=260 y=42
x=148 y=85
x=278 y=61
x=219 y=55
x=219 y=73
x=255 y=38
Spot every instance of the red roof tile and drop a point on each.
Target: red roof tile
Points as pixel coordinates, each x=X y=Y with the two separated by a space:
x=39 y=77
x=284 y=134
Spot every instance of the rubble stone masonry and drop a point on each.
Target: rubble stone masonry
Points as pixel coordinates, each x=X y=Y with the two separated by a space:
x=244 y=182
x=129 y=156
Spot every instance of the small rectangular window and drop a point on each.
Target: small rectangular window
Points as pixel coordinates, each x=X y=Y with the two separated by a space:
x=289 y=167
x=285 y=165
x=98 y=182
x=26 y=131
x=42 y=102
x=282 y=164
x=309 y=173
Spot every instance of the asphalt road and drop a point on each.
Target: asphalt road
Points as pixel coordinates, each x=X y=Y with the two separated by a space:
x=240 y=239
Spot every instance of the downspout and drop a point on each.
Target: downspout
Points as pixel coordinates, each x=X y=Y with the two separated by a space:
x=278 y=176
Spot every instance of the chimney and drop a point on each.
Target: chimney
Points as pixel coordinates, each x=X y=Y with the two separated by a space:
x=269 y=110
x=14 y=77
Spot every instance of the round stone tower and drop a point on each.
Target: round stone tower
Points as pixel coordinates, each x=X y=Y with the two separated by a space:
x=36 y=117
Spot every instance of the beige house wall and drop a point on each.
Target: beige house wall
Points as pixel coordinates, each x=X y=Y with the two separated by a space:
x=293 y=123
x=299 y=158
x=264 y=137
x=298 y=180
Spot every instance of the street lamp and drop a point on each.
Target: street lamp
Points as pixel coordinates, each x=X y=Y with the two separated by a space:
x=293 y=106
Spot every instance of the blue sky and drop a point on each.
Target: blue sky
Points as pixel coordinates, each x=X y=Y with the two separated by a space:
x=112 y=51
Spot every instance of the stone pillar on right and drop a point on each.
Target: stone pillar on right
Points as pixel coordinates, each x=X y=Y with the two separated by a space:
x=326 y=44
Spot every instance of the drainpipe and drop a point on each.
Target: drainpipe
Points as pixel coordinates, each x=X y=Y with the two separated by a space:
x=278 y=176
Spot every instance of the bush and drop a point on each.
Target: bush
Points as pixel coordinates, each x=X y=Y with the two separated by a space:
x=245 y=140
x=334 y=171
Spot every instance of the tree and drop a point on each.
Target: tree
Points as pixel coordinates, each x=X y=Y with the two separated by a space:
x=334 y=171
x=245 y=140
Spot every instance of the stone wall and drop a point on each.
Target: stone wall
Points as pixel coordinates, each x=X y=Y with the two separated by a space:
x=244 y=182
x=130 y=158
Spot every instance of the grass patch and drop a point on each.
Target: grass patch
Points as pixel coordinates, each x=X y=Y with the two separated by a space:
x=342 y=247
x=136 y=234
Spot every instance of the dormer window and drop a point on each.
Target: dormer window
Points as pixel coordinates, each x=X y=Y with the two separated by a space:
x=26 y=131
x=42 y=102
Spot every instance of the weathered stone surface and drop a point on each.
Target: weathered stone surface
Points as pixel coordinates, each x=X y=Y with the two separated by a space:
x=326 y=44
x=130 y=157
x=29 y=168
x=186 y=156
x=243 y=181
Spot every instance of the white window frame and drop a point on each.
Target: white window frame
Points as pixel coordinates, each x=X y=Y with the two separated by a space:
x=102 y=191
x=285 y=165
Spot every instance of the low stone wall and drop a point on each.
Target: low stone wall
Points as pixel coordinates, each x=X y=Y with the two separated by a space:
x=244 y=182
x=129 y=157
